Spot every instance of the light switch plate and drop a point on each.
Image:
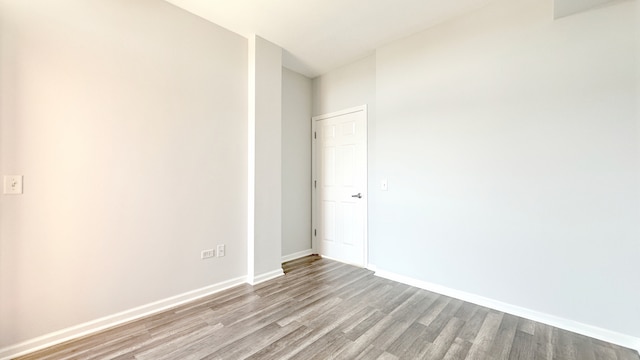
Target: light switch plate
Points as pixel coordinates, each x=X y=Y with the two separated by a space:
x=384 y=186
x=13 y=184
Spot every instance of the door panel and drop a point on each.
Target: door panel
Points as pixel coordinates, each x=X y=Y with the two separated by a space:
x=340 y=165
x=329 y=221
x=329 y=165
x=349 y=216
x=348 y=161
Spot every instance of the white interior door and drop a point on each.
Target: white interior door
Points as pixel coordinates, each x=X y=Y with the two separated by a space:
x=340 y=185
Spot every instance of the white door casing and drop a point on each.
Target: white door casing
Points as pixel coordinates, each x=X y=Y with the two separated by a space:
x=340 y=185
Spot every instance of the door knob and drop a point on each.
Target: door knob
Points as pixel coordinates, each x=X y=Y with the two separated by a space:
x=358 y=195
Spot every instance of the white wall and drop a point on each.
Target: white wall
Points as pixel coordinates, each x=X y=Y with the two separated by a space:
x=511 y=146
x=265 y=159
x=128 y=121
x=296 y=165
x=348 y=86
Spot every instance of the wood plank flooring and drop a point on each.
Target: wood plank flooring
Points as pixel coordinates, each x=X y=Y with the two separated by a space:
x=323 y=309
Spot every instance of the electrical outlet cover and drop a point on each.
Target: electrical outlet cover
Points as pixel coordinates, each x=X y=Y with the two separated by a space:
x=209 y=253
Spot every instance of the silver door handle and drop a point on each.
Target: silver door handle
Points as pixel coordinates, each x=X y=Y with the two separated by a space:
x=358 y=195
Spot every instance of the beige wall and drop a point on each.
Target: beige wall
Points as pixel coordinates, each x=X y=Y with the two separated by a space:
x=128 y=121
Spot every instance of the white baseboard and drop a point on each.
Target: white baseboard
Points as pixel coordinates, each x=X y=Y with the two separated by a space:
x=298 y=255
x=566 y=324
x=265 y=277
x=106 y=322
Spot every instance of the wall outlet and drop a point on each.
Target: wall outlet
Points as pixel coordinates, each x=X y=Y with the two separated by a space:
x=220 y=250
x=209 y=253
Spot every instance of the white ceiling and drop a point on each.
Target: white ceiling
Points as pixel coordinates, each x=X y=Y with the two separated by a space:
x=321 y=35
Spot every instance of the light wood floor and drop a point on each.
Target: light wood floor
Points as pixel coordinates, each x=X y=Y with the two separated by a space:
x=323 y=309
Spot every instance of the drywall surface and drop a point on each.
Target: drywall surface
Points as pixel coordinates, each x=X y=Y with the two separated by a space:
x=511 y=146
x=346 y=87
x=296 y=162
x=265 y=126
x=128 y=122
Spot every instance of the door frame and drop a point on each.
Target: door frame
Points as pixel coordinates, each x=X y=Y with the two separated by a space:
x=314 y=176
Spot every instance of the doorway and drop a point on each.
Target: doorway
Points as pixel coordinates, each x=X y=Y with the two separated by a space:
x=339 y=189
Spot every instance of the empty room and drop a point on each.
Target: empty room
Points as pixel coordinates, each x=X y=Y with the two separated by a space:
x=217 y=179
